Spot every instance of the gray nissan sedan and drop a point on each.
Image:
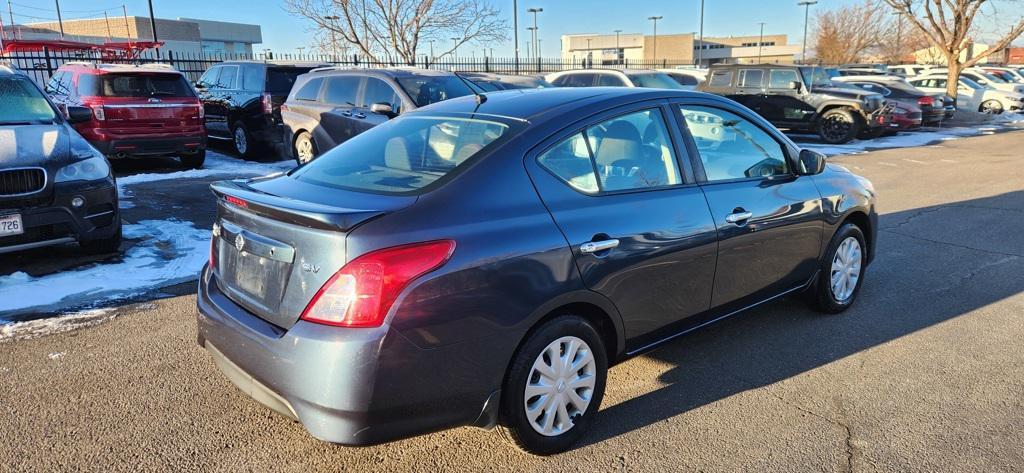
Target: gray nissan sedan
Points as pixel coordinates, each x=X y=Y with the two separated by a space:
x=482 y=261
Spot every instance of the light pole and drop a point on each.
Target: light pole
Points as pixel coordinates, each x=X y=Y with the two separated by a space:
x=807 y=9
x=536 y=47
x=152 y=25
x=618 y=52
x=455 y=47
x=655 y=19
x=700 y=48
x=431 y=49
x=334 y=40
x=515 y=30
x=899 y=36
x=530 y=51
x=759 y=41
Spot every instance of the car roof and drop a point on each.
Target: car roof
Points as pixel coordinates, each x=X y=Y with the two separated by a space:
x=8 y=69
x=393 y=72
x=275 y=63
x=102 y=68
x=536 y=105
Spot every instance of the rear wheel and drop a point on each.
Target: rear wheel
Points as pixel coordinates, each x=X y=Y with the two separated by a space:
x=193 y=161
x=992 y=107
x=838 y=125
x=841 y=272
x=554 y=386
x=242 y=139
x=305 y=150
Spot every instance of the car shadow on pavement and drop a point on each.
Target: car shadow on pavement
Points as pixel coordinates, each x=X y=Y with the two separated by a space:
x=933 y=264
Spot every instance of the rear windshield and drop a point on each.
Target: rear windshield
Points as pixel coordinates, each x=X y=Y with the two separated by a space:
x=653 y=80
x=403 y=155
x=21 y=103
x=135 y=85
x=425 y=90
x=281 y=79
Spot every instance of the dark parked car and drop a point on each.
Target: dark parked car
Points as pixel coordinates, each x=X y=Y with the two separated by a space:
x=490 y=82
x=138 y=111
x=329 y=106
x=613 y=78
x=933 y=106
x=55 y=187
x=801 y=98
x=242 y=100
x=484 y=263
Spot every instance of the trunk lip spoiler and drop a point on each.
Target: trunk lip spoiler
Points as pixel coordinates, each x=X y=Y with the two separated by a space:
x=298 y=212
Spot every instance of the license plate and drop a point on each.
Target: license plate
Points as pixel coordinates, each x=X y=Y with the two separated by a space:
x=11 y=225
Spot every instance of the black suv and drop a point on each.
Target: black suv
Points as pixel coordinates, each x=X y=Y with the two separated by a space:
x=331 y=105
x=55 y=187
x=242 y=101
x=801 y=98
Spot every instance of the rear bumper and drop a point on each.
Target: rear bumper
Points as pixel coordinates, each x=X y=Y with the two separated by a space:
x=347 y=386
x=135 y=146
x=59 y=222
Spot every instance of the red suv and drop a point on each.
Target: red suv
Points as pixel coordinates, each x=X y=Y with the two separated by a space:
x=137 y=111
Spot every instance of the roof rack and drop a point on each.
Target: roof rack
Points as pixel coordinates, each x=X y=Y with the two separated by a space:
x=331 y=68
x=105 y=66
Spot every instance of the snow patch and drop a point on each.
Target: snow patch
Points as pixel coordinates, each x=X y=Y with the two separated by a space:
x=170 y=252
x=901 y=140
x=54 y=325
x=56 y=355
x=216 y=164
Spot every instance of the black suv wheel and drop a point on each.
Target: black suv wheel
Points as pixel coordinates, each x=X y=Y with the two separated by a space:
x=839 y=125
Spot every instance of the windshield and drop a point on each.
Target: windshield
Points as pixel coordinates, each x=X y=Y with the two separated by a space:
x=1005 y=76
x=425 y=90
x=970 y=83
x=280 y=79
x=815 y=77
x=21 y=103
x=135 y=85
x=402 y=155
x=991 y=78
x=653 y=80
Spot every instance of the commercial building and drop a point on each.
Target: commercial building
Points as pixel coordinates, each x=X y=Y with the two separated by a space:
x=183 y=35
x=684 y=48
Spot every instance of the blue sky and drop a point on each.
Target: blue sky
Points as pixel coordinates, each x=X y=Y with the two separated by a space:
x=283 y=32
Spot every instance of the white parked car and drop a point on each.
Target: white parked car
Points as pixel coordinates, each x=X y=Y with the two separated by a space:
x=984 y=78
x=972 y=95
x=688 y=78
x=612 y=78
x=909 y=70
x=1009 y=74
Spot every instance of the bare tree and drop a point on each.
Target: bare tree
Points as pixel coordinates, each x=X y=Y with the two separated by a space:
x=396 y=30
x=847 y=34
x=950 y=27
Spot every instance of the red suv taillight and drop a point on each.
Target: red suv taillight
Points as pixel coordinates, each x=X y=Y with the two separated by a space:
x=926 y=101
x=268 y=104
x=202 y=111
x=361 y=293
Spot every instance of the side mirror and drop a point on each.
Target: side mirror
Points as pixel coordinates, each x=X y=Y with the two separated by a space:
x=199 y=85
x=383 y=109
x=795 y=85
x=811 y=162
x=79 y=114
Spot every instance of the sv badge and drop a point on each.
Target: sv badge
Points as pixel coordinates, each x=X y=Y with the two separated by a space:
x=310 y=268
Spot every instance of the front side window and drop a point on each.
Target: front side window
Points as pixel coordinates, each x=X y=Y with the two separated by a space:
x=402 y=156
x=653 y=80
x=720 y=79
x=782 y=78
x=378 y=91
x=629 y=152
x=21 y=103
x=342 y=90
x=609 y=80
x=575 y=80
x=425 y=90
x=209 y=78
x=684 y=79
x=731 y=147
x=751 y=78
x=226 y=79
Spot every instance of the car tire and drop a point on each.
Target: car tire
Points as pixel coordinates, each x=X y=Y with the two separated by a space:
x=193 y=161
x=993 y=107
x=111 y=244
x=583 y=345
x=242 y=140
x=838 y=126
x=846 y=256
x=304 y=149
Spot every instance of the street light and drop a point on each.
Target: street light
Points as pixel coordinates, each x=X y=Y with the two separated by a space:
x=700 y=49
x=807 y=9
x=655 y=19
x=455 y=47
x=618 y=52
x=334 y=42
x=515 y=31
x=759 y=41
x=530 y=52
x=431 y=49
x=536 y=47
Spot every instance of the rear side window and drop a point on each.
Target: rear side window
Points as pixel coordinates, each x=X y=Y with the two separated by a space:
x=731 y=147
x=782 y=78
x=141 y=85
x=310 y=90
x=402 y=156
x=628 y=152
x=281 y=79
x=751 y=78
x=609 y=80
x=684 y=79
x=720 y=79
x=342 y=90
x=575 y=80
x=252 y=78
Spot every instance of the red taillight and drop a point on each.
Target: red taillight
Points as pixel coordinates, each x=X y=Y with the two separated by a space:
x=361 y=293
x=926 y=101
x=236 y=201
x=202 y=111
x=268 y=104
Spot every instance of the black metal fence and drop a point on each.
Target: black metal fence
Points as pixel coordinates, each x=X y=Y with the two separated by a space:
x=41 y=65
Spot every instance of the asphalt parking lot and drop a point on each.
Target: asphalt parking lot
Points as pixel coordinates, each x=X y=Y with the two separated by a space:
x=925 y=373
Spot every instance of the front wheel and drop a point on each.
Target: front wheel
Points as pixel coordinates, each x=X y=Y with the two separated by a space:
x=991 y=107
x=305 y=149
x=554 y=386
x=842 y=271
x=838 y=126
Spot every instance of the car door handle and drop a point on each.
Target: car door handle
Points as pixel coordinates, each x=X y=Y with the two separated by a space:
x=360 y=115
x=737 y=217
x=596 y=246
x=346 y=114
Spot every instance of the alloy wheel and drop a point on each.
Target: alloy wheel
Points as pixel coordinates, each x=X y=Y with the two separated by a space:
x=836 y=128
x=846 y=265
x=991 y=107
x=560 y=386
x=304 y=150
x=240 y=142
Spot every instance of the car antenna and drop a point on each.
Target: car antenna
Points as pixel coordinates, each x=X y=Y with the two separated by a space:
x=480 y=98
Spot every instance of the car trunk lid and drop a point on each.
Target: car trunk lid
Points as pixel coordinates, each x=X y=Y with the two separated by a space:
x=278 y=240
